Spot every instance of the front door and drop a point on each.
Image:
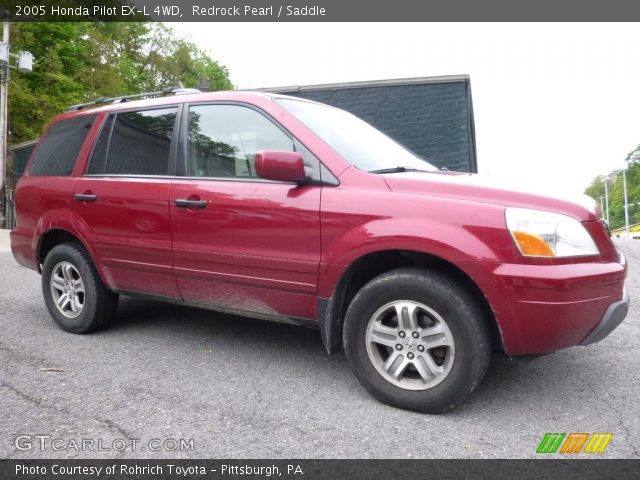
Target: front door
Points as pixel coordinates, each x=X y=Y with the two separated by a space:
x=240 y=242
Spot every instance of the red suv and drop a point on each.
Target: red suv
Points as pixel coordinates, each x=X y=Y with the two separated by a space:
x=290 y=210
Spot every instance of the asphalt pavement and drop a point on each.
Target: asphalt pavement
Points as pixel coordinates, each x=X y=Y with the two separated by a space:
x=166 y=381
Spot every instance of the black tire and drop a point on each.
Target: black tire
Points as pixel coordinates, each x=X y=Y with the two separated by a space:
x=467 y=325
x=98 y=303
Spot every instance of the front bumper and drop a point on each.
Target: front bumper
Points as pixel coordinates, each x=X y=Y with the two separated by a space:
x=613 y=317
x=543 y=308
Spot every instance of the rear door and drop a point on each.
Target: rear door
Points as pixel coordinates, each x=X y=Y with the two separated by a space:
x=241 y=242
x=123 y=198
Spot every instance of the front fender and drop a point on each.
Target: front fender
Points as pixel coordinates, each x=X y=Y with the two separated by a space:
x=452 y=243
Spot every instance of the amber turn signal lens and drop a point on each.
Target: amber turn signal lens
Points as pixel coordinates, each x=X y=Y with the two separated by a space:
x=532 y=245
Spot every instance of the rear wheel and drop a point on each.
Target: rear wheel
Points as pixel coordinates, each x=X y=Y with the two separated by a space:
x=73 y=292
x=416 y=339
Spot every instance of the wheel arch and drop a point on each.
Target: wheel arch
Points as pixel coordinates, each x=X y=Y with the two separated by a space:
x=332 y=311
x=49 y=239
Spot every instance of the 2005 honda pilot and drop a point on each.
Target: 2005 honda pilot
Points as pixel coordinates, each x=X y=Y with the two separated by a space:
x=286 y=209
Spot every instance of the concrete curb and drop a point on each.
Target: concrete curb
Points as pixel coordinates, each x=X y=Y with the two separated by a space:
x=4 y=241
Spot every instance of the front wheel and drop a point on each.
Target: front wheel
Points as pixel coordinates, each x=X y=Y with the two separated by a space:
x=73 y=292
x=416 y=339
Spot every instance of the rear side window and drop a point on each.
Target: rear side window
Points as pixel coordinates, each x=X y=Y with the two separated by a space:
x=135 y=143
x=57 y=152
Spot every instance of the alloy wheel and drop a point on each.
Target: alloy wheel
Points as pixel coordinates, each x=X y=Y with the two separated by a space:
x=410 y=345
x=67 y=289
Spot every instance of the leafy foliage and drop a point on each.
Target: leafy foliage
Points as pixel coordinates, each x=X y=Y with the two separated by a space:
x=77 y=62
x=616 y=193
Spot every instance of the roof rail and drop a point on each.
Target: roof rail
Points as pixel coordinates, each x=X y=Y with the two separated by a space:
x=125 y=98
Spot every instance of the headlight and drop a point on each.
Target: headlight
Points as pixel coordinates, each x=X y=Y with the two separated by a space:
x=546 y=234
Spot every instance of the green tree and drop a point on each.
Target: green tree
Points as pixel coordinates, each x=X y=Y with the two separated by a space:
x=77 y=62
x=54 y=83
x=616 y=193
x=596 y=189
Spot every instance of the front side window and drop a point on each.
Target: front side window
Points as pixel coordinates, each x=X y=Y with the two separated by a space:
x=57 y=152
x=223 y=140
x=135 y=143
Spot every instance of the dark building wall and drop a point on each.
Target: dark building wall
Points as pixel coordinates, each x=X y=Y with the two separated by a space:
x=21 y=154
x=433 y=119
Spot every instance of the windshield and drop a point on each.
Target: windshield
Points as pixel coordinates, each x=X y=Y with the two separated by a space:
x=355 y=140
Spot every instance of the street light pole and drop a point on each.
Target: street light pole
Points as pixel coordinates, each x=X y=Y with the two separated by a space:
x=626 y=203
x=602 y=206
x=606 y=197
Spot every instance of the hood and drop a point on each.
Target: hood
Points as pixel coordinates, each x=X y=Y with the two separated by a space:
x=476 y=188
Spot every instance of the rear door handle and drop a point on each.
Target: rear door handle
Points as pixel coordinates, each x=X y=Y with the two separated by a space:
x=85 y=197
x=184 y=203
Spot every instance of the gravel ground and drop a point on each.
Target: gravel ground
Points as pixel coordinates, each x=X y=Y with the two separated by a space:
x=233 y=387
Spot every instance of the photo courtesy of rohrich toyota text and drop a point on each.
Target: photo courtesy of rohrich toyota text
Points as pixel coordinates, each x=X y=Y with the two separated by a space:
x=319 y=239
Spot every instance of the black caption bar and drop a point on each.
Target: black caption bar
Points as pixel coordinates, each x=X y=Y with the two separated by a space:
x=320 y=10
x=318 y=469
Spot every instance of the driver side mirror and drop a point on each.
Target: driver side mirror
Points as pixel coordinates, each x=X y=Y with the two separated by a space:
x=280 y=166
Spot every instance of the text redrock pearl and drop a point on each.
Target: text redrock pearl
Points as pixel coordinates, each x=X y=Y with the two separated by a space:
x=251 y=11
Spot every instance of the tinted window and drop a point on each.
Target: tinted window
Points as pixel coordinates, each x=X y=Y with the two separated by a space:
x=99 y=158
x=59 y=148
x=140 y=143
x=224 y=139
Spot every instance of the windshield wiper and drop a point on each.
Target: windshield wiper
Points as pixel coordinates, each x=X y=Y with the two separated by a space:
x=396 y=170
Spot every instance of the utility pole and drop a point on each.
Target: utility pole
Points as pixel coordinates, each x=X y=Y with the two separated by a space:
x=25 y=65
x=4 y=117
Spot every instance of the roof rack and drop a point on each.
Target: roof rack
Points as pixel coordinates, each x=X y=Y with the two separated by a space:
x=126 y=98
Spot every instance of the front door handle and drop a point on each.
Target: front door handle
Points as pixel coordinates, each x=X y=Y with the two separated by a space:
x=184 y=203
x=85 y=197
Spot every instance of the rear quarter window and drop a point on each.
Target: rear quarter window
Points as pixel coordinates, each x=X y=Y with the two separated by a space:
x=135 y=143
x=59 y=148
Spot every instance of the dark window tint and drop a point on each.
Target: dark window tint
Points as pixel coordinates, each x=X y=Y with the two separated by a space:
x=224 y=139
x=140 y=142
x=59 y=148
x=98 y=163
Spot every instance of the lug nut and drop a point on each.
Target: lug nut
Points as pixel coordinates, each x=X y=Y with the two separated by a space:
x=415 y=334
x=402 y=334
x=410 y=356
x=420 y=348
x=398 y=347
